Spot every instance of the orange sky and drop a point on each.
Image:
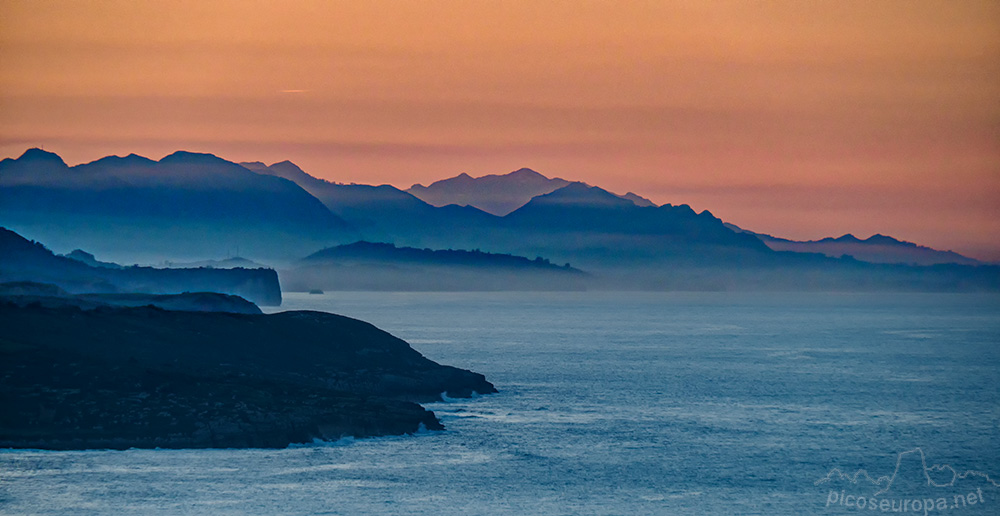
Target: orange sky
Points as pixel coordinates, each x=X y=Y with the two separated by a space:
x=801 y=119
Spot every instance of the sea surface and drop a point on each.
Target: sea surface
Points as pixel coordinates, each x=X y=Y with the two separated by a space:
x=618 y=403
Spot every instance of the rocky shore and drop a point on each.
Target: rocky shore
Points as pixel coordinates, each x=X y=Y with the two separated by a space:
x=123 y=377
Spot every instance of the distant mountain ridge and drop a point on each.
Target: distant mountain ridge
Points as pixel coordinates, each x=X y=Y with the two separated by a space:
x=874 y=249
x=573 y=223
x=581 y=222
x=384 y=212
x=639 y=200
x=579 y=194
x=345 y=199
x=498 y=194
x=186 y=205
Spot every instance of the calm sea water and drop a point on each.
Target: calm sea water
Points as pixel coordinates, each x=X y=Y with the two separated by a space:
x=618 y=404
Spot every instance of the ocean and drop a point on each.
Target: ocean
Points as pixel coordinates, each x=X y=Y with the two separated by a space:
x=618 y=403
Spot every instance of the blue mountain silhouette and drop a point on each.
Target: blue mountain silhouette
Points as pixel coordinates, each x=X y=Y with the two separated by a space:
x=496 y=194
x=187 y=205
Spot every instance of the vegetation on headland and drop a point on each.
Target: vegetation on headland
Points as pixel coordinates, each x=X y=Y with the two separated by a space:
x=123 y=377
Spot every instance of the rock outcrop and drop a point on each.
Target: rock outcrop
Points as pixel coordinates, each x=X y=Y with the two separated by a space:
x=23 y=260
x=121 y=377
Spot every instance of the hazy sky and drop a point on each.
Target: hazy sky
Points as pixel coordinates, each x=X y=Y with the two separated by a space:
x=802 y=119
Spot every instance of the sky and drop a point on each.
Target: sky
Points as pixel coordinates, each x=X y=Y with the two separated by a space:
x=798 y=119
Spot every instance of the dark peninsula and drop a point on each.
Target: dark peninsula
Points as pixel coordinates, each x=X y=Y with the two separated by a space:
x=23 y=260
x=122 y=377
x=384 y=266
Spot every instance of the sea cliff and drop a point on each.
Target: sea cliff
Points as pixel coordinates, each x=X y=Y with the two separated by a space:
x=23 y=260
x=123 y=377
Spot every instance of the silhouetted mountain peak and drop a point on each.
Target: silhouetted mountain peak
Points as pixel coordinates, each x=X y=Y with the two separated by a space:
x=843 y=239
x=41 y=156
x=522 y=173
x=132 y=160
x=172 y=204
x=287 y=170
x=682 y=208
x=639 y=200
x=582 y=194
x=494 y=193
x=255 y=166
x=885 y=240
x=135 y=157
x=33 y=167
x=11 y=242
x=576 y=188
x=194 y=158
x=287 y=166
x=81 y=256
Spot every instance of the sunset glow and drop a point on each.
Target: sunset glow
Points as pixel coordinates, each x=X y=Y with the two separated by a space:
x=798 y=119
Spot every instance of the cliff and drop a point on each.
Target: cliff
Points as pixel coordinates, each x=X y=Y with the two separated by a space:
x=23 y=260
x=120 y=377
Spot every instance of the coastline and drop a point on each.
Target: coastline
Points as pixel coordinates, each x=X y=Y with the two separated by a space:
x=143 y=377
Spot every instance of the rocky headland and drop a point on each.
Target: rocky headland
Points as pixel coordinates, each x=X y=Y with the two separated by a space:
x=119 y=377
x=22 y=260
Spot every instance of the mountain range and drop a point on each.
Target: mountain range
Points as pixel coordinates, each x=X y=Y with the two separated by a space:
x=384 y=212
x=573 y=222
x=874 y=249
x=496 y=194
x=599 y=229
x=184 y=206
x=193 y=207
